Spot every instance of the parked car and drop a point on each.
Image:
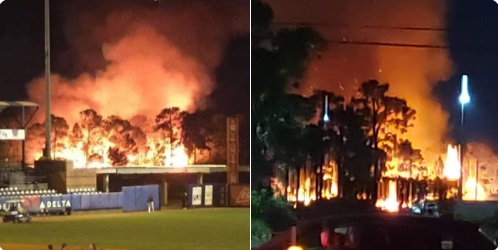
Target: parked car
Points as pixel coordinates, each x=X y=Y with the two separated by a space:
x=438 y=209
x=17 y=212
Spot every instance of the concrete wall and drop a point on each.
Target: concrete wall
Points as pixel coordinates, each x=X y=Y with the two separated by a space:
x=61 y=175
x=55 y=172
x=476 y=211
x=31 y=186
x=80 y=178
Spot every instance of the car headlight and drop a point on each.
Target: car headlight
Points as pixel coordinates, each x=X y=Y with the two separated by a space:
x=295 y=248
x=416 y=210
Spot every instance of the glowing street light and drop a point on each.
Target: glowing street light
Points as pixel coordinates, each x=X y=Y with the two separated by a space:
x=464 y=98
x=326 y=117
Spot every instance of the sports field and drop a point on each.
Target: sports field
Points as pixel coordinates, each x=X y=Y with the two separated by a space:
x=220 y=228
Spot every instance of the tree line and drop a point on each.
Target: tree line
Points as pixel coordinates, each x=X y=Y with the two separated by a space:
x=202 y=133
x=363 y=132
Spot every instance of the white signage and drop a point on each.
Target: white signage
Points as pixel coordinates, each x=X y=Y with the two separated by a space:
x=196 y=196
x=12 y=134
x=208 y=195
x=6 y=206
x=55 y=204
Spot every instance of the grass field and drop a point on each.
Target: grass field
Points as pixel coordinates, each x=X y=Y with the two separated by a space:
x=221 y=228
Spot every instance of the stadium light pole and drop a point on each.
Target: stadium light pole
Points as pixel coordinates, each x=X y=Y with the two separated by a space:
x=48 y=123
x=326 y=117
x=464 y=99
x=326 y=120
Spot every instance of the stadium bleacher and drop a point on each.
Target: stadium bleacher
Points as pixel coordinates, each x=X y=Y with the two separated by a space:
x=13 y=192
x=82 y=191
x=16 y=192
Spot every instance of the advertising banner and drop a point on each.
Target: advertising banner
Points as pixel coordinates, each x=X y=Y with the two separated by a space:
x=208 y=195
x=232 y=150
x=196 y=196
x=12 y=134
x=220 y=195
x=240 y=195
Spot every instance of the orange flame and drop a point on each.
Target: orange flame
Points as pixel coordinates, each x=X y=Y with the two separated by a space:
x=470 y=190
x=452 y=166
x=390 y=204
x=173 y=158
x=178 y=157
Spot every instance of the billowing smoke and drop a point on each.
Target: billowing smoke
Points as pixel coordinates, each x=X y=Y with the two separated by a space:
x=130 y=58
x=411 y=72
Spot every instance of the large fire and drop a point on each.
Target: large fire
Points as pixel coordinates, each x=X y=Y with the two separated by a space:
x=118 y=145
x=307 y=190
x=474 y=191
x=131 y=64
x=172 y=158
x=95 y=142
x=452 y=166
x=390 y=204
x=450 y=169
x=411 y=75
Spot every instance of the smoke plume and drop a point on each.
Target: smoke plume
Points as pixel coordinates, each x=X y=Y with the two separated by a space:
x=411 y=72
x=131 y=58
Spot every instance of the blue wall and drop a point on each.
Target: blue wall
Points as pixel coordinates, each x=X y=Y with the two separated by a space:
x=135 y=198
x=130 y=199
x=82 y=202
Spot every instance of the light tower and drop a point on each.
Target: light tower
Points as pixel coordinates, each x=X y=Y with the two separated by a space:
x=326 y=117
x=48 y=121
x=464 y=99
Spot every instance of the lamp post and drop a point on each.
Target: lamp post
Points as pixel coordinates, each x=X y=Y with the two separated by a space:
x=325 y=152
x=326 y=117
x=464 y=98
x=48 y=122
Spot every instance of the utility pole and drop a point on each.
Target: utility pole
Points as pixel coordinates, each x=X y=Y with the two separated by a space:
x=477 y=179
x=464 y=98
x=23 y=142
x=48 y=120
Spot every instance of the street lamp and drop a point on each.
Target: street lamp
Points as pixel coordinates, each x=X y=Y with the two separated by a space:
x=48 y=121
x=464 y=98
x=326 y=117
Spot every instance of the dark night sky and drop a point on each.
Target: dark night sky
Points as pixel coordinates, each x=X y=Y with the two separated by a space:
x=22 y=50
x=472 y=24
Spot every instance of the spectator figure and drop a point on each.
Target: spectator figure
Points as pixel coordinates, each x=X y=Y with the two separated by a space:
x=93 y=246
x=50 y=247
x=63 y=246
x=184 y=200
x=150 y=204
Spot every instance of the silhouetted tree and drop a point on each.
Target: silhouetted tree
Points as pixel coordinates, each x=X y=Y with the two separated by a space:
x=169 y=124
x=60 y=129
x=90 y=122
x=197 y=131
x=35 y=137
x=382 y=113
x=126 y=138
x=117 y=156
